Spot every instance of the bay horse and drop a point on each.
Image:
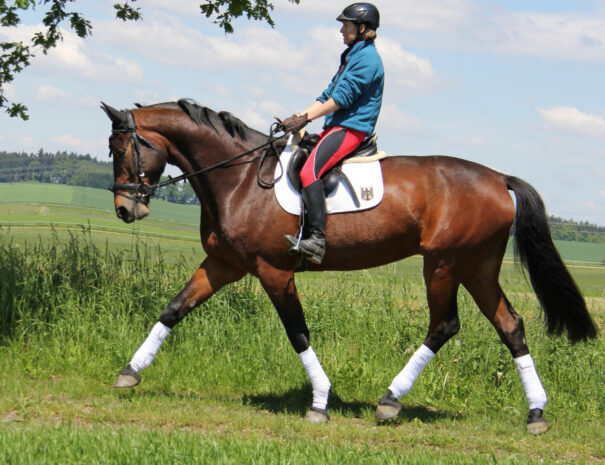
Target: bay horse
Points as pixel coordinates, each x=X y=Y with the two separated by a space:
x=455 y=213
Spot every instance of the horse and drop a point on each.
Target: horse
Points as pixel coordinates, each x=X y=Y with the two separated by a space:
x=455 y=213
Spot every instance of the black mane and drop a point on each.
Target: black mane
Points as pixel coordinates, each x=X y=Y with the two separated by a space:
x=203 y=115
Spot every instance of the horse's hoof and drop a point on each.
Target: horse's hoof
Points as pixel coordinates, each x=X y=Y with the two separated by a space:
x=536 y=423
x=128 y=378
x=388 y=407
x=316 y=416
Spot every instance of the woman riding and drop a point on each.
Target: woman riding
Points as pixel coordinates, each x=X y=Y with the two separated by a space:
x=351 y=105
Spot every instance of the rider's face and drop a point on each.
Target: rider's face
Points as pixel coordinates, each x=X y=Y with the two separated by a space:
x=349 y=32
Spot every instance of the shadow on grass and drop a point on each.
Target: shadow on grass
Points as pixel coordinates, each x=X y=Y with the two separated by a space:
x=297 y=402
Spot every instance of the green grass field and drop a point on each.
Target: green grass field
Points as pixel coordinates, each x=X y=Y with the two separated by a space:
x=226 y=387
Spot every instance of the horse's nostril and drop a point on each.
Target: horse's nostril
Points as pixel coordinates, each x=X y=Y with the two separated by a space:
x=122 y=212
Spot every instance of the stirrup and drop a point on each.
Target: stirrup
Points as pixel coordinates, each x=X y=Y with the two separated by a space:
x=294 y=243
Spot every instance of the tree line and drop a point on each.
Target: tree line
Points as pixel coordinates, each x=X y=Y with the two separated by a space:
x=76 y=170
x=83 y=170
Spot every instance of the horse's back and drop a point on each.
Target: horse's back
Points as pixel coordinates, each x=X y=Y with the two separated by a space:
x=457 y=203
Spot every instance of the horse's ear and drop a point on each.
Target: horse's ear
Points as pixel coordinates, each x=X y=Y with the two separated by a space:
x=118 y=117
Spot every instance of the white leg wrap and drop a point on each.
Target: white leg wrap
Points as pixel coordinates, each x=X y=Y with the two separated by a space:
x=319 y=380
x=146 y=353
x=403 y=382
x=535 y=393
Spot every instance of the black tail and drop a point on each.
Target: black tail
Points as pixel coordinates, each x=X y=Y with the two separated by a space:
x=564 y=307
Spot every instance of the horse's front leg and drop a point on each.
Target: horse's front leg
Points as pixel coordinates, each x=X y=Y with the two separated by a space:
x=281 y=289
x=212 y=274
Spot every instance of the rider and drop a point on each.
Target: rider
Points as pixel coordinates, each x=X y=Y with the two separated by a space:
x=351 y=104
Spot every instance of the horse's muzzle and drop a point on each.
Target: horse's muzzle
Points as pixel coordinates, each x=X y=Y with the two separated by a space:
x=129 y=210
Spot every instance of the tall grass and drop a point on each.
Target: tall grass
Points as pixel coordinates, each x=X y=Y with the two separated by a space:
x=88 y=308
x=76 y=310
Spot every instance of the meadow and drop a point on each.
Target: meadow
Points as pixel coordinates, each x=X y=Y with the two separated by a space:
x=226 y=387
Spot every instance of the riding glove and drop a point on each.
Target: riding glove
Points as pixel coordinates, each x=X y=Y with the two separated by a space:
x=295 y=122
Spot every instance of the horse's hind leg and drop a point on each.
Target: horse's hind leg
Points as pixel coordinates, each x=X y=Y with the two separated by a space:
x=212 y=274
x=442 y=289
x=483 y=286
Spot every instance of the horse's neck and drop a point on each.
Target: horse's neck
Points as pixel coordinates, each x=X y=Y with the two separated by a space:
x=215 y=185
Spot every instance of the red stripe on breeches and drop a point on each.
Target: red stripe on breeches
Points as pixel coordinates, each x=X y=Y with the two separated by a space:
x=334 y=144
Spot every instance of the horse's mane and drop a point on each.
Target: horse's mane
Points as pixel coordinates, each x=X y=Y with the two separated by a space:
x=204 y=115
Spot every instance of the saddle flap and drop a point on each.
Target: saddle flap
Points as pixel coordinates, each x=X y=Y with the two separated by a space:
x=296 y=163
x=330 y=180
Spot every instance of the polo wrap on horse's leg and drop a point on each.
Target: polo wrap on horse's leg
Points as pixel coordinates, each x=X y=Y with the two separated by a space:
x=403 y=382
x=535 y=393
x=146 y=353
x=319 y=380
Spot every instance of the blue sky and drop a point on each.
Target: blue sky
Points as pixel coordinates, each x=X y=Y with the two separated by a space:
x=516 y=85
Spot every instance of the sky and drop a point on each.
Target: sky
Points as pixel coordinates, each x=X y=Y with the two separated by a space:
x=516 y=85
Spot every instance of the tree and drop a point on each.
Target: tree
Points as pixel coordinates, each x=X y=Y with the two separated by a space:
x=16 y=56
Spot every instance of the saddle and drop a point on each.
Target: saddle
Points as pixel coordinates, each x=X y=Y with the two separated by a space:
x=331 y=179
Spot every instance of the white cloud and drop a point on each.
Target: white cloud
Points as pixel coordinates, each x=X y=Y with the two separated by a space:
x=46 y=93
x=172 y=42
x=405 y=71
x=438 y=16
x=573 y=121
x=393 y=118
x=567 y=36
x=78 y=144
x=17 y=142
x=178 y=6
x=75 y=56
x=441 y=16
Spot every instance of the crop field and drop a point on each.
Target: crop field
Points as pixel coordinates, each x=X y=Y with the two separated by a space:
x=227 y=388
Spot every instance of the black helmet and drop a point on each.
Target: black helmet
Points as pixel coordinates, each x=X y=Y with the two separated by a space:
x=361 y=13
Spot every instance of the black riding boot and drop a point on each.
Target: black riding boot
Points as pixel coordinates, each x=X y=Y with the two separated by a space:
x=312 y=248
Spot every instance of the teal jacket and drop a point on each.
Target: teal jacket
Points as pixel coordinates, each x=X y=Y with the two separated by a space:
x=357 y=89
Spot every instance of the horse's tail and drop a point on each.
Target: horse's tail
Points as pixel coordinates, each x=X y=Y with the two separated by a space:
x=564 y=307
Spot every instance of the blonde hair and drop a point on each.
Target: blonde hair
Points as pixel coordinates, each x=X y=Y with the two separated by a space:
x=369 y=34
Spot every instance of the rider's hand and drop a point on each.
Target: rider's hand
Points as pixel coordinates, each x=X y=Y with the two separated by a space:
x=295 y=123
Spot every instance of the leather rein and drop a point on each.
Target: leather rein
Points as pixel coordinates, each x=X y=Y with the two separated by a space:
x=140 y=191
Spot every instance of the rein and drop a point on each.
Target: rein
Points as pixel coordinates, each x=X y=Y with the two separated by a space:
x=141 y=191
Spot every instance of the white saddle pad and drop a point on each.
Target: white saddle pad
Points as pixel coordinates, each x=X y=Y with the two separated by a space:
x=364 y=174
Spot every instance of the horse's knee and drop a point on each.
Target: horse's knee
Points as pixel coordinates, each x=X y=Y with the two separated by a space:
x=443 y=332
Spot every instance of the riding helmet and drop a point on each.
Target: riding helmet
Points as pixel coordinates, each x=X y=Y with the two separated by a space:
x=361 y=13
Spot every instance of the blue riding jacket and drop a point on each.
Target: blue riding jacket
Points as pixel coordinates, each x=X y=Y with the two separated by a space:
x=357 y=89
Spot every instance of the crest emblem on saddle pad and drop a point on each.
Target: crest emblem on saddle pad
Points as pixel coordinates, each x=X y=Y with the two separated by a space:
x=367 y=193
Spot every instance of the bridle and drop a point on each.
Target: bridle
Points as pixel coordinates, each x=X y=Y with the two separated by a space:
x=141 y=192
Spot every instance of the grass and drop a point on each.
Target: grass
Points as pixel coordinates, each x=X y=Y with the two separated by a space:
x=227 y=387
x=79 y=292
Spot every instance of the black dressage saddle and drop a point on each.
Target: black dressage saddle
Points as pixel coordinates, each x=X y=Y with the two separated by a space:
x=331 y=179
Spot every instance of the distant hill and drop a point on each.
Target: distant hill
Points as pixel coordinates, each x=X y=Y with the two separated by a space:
x=75 y=170
x=71 y=169
x=101 y=199
x=32 y=205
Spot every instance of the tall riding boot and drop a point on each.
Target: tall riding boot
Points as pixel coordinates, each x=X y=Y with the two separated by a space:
x=312 y=248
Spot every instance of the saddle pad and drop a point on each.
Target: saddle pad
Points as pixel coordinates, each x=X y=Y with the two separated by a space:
x=365 y=177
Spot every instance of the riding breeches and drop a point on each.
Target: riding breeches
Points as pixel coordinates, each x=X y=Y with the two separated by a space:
x=335 y=143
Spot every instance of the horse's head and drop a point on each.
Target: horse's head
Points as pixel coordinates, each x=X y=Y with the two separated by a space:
x=138 y=163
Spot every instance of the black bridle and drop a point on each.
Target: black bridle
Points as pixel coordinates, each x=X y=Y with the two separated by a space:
x=141 y=192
